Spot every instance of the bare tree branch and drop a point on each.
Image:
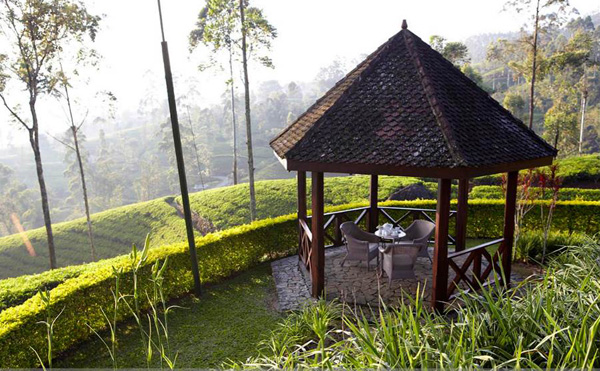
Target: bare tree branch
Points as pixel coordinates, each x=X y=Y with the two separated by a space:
x=14 y=114
x=61 y=141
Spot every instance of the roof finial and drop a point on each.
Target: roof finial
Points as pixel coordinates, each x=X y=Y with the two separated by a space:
x=404 y=24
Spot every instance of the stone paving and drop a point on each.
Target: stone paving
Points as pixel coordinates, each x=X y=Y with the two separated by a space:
x=352 y=283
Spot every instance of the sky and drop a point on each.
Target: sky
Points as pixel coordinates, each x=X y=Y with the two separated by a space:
x=311 y=34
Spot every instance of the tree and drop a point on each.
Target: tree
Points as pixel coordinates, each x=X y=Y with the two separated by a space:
x=106 y=179
x=37 y=31
x=541 y=21
x=216 y=27
x=456 y=52
x=514 y=103
x=238 y=28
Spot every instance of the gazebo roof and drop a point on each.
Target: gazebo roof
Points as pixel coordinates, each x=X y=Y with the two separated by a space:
x=406 y=110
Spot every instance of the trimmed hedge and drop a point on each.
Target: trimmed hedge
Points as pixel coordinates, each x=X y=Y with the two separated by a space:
x=14 y=291
x=220 y=255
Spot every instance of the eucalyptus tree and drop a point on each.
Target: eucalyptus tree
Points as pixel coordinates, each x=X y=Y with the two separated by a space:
x=36 y=31
x=543 y=15
x=242 y=30
x=454 y=51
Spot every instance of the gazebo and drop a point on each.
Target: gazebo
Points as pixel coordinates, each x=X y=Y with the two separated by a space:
x=407 y=111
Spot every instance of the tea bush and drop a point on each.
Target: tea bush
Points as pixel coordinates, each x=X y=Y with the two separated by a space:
x=114 y=232
x=565 y=194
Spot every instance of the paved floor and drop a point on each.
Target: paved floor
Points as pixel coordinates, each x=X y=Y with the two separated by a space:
x=352 y=283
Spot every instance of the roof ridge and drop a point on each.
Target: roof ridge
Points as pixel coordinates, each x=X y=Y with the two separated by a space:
x=431 y=98
x=368 y=60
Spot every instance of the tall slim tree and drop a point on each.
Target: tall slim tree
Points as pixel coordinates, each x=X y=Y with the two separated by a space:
x=36 y=31
x=544 y=14
x=216 y=27
x=240 y=29
x=73 y=143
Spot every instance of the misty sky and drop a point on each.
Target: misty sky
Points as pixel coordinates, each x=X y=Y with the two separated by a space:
x=311 y=34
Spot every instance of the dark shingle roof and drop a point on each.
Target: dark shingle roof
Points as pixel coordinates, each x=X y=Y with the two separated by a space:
x=406 y=106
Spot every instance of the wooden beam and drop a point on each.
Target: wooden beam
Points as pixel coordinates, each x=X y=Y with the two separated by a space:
x=434 y=172
x=461 y=214
x=301 y=182
x=440 y=254
x=317 y=267
x=509 y=224
x=373 y=211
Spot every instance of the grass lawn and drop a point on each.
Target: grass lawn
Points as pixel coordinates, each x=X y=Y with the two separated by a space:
x=226 y=323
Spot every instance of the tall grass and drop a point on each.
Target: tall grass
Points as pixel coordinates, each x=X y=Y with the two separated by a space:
x=547 y=321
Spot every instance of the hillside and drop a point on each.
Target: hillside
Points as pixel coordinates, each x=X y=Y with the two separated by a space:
x=116 y=229
x=114 y=232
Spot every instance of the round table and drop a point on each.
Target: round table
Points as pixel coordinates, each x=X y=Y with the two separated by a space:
x=387 y=238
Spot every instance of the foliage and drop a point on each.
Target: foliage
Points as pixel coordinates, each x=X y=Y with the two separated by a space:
x=456 y=52
x=36 y=33
x=14 y=291
x=566 y=194
x=227 y=322
x=572 y=170
x=529 y=247
x=550 y=321
x=86 y=297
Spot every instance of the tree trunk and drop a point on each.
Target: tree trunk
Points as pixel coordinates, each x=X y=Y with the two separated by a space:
x=198 y=164
x=34 y=140
x=534 y=64
x=248 y=122
x=233 y=123
x=583 y=107
x=74 y=130
x=85 y=195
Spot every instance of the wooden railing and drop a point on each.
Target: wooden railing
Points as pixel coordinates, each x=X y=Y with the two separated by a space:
x=333 y=220
x=305 y=248
x=469 y=270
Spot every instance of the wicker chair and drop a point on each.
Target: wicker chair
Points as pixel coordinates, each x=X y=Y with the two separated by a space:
x=360 y=245
x=398 y=260
x=418 y=234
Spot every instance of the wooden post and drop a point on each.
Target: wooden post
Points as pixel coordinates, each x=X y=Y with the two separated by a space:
x=301 y=179
x=440 y=254
x=461 y=214
x=317 y=258
x=373 y=211
x=509 y=224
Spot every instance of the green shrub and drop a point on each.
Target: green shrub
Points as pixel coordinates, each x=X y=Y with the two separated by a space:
x=14 y=291
x=529 y=246
x=220 y=255
x=573 y=170
x=550 y=321
x=565 y=194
